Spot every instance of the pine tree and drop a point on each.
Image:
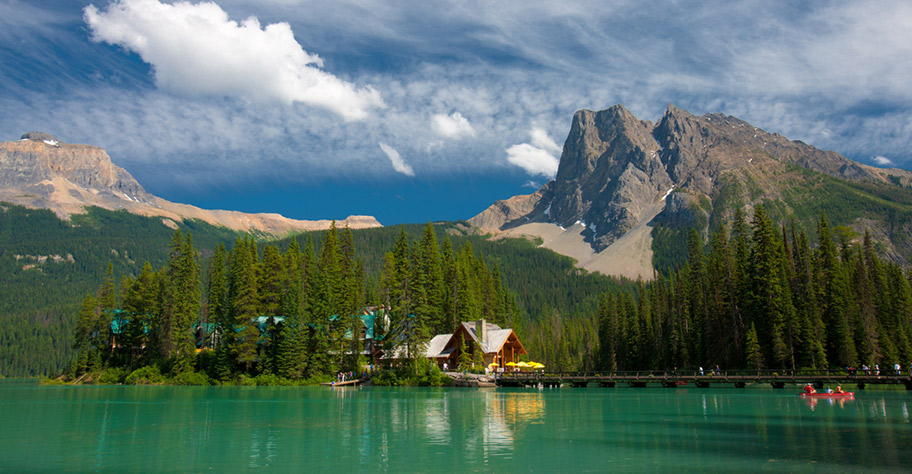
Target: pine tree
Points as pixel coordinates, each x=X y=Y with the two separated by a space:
x=770 y=299
x=292 y=352
x=184 y=276
x=217 y=304
x=244 y=302
x=754 y=357
x=84 y=340
x=272 y=279
x=834 y=287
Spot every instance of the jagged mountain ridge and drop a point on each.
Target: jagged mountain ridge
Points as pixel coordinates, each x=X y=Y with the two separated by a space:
x=619 y=174
x=40 y=171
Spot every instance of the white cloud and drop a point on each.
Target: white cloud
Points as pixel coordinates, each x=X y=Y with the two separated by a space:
x=883 y=161
x=540 y=139
x=452 y=126
x=196 y=49
x=537 y=157
x=398 y=163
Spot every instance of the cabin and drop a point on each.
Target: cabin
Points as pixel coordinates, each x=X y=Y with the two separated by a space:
x=496 y=345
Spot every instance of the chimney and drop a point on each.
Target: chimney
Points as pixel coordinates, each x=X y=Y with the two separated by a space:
x=481 y=330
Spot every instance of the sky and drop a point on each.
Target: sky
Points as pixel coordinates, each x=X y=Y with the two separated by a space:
x=416 y=111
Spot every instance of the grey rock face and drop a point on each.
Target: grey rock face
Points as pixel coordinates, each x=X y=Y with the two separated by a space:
x=40 y=158
x=609 y=172
x=614 y=167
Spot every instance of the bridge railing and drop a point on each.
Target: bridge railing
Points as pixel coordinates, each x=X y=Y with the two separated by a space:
x=691 y=374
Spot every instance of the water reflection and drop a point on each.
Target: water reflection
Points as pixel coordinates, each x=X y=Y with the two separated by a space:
x=487 y=425
x=374 y=429
x=840 y=402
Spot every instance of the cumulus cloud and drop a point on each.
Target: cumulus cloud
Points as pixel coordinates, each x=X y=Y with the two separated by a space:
x=197 y=49
x=883 y=161
x=537 y=157
x=452 y=126
x=398 y=163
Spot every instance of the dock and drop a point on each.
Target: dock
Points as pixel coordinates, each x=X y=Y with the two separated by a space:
x=682 y=378
x=343 y=384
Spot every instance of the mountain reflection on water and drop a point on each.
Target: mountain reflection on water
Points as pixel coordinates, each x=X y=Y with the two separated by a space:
x=419 y=430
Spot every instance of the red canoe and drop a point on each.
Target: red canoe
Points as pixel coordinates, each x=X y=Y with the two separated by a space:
x=843 y=395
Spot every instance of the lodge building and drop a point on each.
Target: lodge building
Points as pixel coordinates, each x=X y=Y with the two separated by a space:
x=497 y=345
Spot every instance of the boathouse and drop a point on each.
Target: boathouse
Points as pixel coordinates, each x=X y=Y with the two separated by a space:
x=496 y=345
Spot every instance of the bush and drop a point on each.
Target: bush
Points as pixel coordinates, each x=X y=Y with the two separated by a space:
x=148 y=375
x=387 y=378
x=272 y=380
x=432 y=376
x=428 y=375
x=113 y=376
x=191 y=378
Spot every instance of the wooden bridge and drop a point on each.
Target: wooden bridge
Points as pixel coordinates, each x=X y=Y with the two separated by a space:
x=686 y=378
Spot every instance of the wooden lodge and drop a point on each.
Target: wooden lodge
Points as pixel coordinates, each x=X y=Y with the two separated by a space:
x=497 y=345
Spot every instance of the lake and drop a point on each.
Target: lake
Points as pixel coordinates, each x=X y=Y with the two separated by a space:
x=194 y=429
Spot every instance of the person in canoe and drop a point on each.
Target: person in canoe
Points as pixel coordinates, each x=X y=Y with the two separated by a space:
x=839 y=389
x=809 y=389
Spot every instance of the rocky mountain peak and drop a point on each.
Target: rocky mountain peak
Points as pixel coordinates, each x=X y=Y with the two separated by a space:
x=39 y=160
x=617 y=173
x=609 y=172
x=40 y=171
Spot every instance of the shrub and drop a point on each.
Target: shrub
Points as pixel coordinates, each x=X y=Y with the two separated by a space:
x=112 y=376
x=272 y=380
x=191 y=378
x=148 y=375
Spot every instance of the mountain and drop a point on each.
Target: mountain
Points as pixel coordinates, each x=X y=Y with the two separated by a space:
x=40 y=171
x=627 y=190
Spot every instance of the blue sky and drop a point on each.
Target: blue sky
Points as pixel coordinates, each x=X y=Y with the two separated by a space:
x=413 y=110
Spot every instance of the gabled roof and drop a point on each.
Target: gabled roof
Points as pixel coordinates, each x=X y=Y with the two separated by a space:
x=442 y=345
x=495 y=339
x=437 y=345
x=495 y=336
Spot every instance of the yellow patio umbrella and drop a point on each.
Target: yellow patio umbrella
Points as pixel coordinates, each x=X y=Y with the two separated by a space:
x=493 y=364
x=511 y=364
x=538 y=365
x=523 y=365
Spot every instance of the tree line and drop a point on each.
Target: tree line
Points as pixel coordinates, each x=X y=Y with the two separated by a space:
x=311 y=300
x=758 y=296
x=754 y=296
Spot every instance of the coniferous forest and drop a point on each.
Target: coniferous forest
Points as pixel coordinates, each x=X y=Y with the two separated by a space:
x=758 y=296
x=283 y=315
x=749 y=295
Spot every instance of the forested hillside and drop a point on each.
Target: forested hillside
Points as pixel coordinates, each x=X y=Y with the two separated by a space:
x=885 y=209
x=286 y=314
x=48 y=265
x=757 y=296
x=40 y=297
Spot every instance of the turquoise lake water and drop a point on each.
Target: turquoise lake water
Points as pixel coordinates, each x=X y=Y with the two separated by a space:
x=319 y=429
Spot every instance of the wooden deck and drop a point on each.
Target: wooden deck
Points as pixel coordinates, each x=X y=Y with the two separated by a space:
x=739 y=379
x=343 y=384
